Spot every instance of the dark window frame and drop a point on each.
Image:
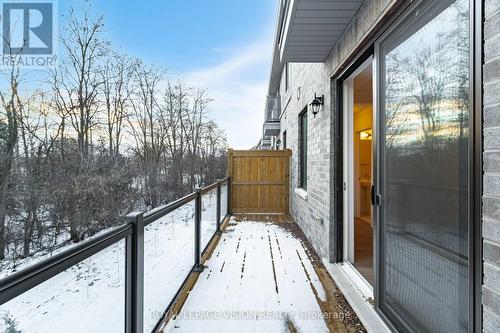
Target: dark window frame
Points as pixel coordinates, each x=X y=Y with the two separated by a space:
x=303 y=131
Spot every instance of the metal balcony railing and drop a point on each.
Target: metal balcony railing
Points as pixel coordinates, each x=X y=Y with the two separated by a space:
x=273 y=108
x=133 y=233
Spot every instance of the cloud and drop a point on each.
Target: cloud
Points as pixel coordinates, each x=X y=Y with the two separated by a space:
x=238 y=86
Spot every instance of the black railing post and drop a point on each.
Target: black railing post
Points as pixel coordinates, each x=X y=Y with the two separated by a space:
x=218 y=206
x=229 y=196
x=197 y=231
x=134 y=278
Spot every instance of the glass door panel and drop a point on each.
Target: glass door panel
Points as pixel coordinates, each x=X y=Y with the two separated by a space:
x=424 y=169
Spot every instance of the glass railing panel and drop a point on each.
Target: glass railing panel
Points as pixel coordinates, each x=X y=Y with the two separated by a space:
x=223 y=200
x=208 y=216
x=168 y=260
x=87 y=297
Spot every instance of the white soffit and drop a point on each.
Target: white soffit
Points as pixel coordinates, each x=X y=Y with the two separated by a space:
x=312 y=27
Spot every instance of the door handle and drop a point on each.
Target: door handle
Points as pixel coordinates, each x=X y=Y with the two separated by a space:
x=375 y=198
x=372 y=195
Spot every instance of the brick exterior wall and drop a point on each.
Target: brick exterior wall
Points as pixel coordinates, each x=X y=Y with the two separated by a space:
x=312 y=214
x=316 y=214
x=491 y=181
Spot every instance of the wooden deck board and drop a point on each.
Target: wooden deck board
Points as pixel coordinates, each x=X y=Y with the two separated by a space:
x=270 y=218
x=263 y=268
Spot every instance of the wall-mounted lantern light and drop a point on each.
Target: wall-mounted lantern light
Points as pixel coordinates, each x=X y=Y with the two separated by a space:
x=317 y=103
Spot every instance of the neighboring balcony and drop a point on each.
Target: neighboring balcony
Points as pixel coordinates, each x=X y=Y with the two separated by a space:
x=265 y=143
x=272 y=128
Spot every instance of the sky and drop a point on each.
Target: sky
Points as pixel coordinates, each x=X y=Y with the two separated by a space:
x=224 y=46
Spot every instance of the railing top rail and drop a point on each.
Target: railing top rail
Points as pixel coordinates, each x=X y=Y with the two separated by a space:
x=161 y=211
x=209 y=188
x=34 y=275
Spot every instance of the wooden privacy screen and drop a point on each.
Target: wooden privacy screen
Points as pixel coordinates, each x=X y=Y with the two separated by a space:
x=259 y=180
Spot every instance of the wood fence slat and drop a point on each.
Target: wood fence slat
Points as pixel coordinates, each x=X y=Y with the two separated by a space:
x=259 y=180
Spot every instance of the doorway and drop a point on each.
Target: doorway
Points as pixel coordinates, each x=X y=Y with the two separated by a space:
x=422 y=175
x=358 y=166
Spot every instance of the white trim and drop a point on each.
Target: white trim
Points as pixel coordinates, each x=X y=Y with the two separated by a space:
x=301 y=193
x=360 y=304
x=349 y=149
x=359 y=280
x=290 y=12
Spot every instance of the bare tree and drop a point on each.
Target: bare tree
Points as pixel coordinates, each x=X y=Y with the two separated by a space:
x=116 y=77
x=193 y=128
x=175 y=101
x=11 y=106
x=68 y=168
x=146 y=128
x=77 y=79
x=38 y=132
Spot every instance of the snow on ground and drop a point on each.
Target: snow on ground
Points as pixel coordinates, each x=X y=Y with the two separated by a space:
x=255 y=281
x=90 y=296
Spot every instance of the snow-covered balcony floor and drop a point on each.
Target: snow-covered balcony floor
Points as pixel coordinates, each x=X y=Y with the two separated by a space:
x=264 y=277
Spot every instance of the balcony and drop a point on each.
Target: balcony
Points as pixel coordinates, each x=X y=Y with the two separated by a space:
x=272 y=125
x=225 y=258
x=272 y=128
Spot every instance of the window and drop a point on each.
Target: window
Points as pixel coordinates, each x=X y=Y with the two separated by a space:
x=303 y=149
x=287 y=77
x=284 y=140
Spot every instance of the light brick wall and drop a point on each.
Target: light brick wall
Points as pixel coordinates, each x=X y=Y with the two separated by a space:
x=316 y=215
x=491 y=181
x=313 y=214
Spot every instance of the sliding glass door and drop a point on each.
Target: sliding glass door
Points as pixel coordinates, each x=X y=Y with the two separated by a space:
x=423 y=168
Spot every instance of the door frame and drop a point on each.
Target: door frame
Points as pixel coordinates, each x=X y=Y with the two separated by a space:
x=349 y=179
x=338 y=161
x=367 y=49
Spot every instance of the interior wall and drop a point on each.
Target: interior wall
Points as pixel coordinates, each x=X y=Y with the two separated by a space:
x=363 y=120
x=363 y=116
